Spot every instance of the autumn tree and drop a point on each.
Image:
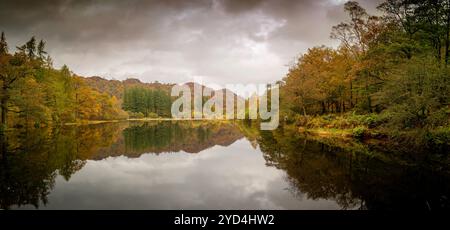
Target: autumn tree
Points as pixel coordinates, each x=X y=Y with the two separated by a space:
x=352 y=34
x=27 y=102
x=319 y=81
x=357 y=36
x=34 y=93
x=12 y=68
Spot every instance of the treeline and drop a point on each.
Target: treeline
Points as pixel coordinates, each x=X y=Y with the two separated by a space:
x=143 y=102
x=33 y=93
x=395 y=65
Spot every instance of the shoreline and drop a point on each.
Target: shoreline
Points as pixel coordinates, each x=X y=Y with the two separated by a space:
x=436 y=139
x=93 y=122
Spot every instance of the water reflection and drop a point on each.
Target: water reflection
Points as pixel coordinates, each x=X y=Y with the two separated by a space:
x=206 y=165
x=354 y=175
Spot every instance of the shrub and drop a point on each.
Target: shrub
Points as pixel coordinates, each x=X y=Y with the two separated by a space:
x=370 y=120
x=358 y=132
x=439 y=137
x=438 y=118
x=328 y=117
x=301 y=120
x=136 y=115
x=317 y=122
x=153 y=115
x=341 y=123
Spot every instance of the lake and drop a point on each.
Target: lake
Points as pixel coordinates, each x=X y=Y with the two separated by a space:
x=209 y=165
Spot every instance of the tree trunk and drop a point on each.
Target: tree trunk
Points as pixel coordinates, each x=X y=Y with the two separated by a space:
x=76 y=107
x=369 y=100
x=323 y=108
x=4 y=108
x=447 y=36
x=351 y=93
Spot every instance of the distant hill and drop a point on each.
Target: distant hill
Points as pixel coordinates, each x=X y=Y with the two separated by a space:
x=116 y=88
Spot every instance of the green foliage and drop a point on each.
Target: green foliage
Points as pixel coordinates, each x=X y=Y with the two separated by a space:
x=152 y=115
x=359 y=132
x=147 y=101
x=439 y=138
x=439 y=118
x=344 y=121
x=417 y=94
x=369 y=120
x=391 y=69
x=136 y=115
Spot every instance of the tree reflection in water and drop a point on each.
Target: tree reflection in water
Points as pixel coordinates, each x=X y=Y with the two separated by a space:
x=31 y=160
x=355 y=177
x=352 y=174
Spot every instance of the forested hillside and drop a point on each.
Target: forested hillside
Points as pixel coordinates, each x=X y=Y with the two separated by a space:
x=147 y=102
x=389 y=71
x=138 y=98
x=33 y=93
x=117 y=88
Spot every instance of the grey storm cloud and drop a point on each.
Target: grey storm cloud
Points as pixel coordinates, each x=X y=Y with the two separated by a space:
x=222 y=41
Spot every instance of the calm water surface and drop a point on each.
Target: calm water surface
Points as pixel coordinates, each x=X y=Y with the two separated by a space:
x=200 y=165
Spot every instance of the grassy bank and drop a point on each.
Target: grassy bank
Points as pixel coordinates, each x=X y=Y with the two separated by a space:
x=374 y=128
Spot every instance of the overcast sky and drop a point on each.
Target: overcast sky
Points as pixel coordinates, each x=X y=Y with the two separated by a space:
x=222 y=41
